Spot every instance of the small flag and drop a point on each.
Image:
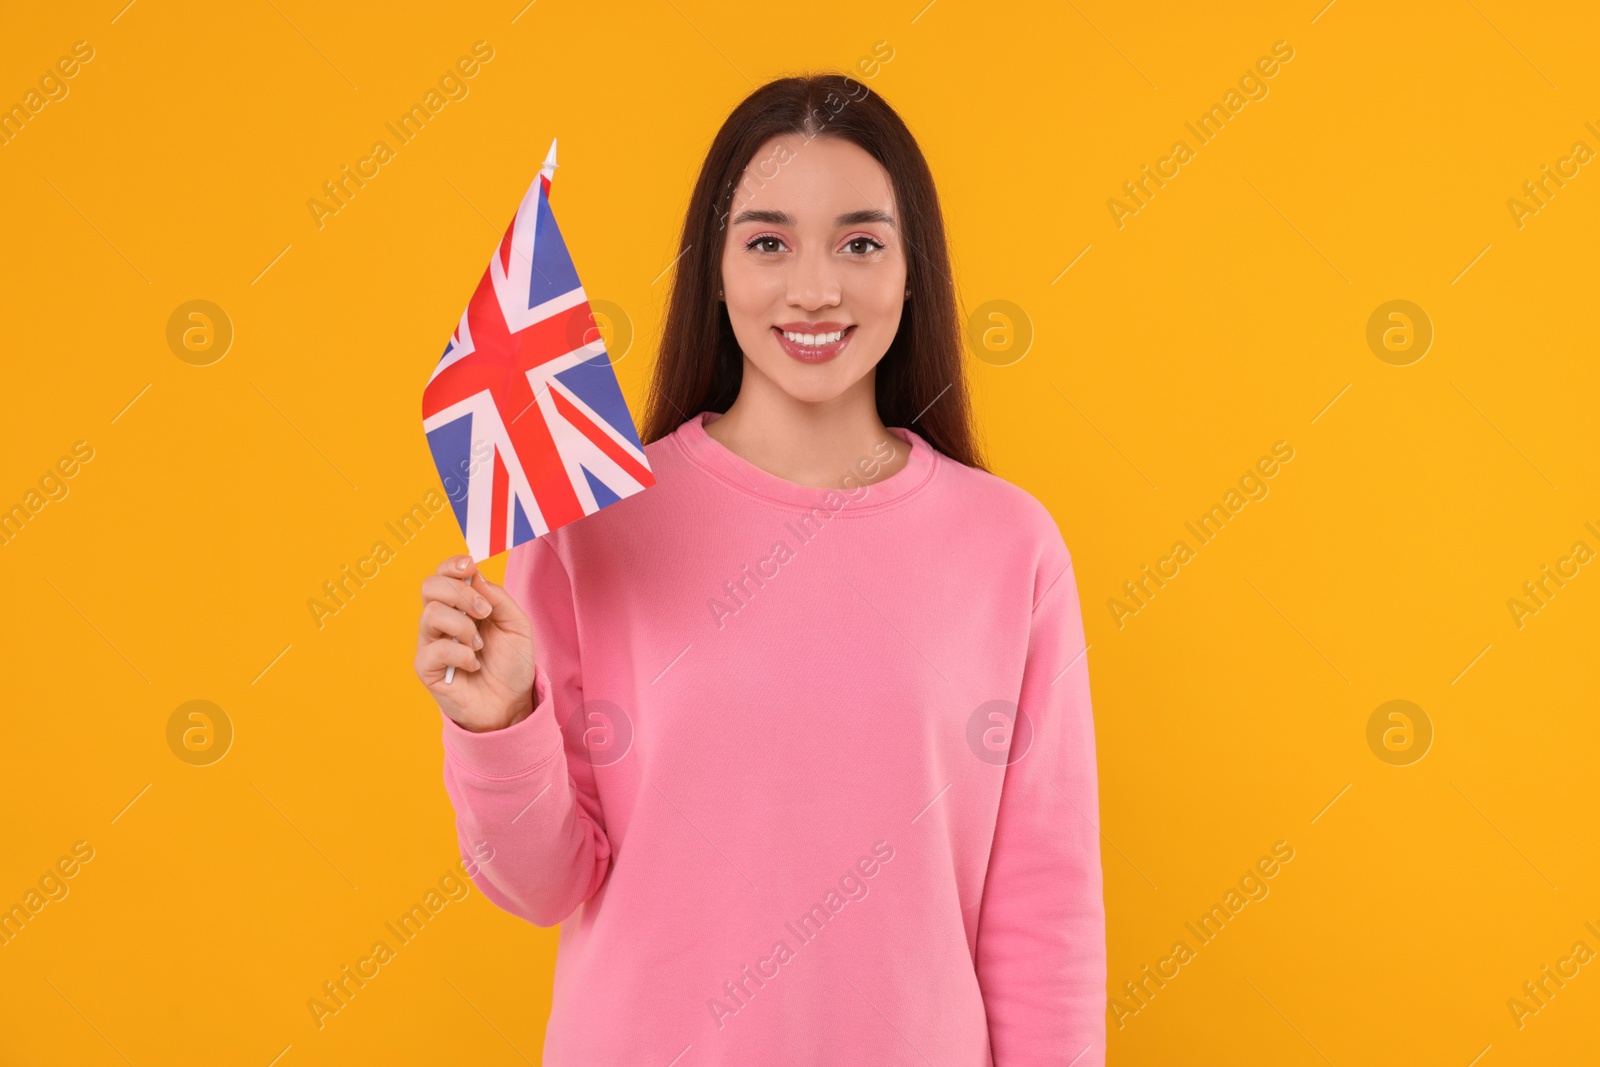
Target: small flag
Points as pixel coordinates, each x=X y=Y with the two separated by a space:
x=524 y=416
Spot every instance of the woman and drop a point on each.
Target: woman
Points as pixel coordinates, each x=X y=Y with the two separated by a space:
x=795 y=745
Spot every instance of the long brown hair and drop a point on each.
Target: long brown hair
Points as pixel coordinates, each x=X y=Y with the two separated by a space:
x=921 y=383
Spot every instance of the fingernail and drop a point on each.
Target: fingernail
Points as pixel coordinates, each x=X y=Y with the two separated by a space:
x=462 y=565
x=481 y=605
x=477 y=640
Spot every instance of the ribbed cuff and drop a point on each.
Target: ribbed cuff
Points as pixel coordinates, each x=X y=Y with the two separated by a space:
x=510 y=752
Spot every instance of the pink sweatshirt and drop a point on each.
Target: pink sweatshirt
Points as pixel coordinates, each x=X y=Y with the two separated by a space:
x=810 y=776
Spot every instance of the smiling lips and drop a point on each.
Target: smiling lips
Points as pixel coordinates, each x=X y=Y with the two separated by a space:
x=813 y=342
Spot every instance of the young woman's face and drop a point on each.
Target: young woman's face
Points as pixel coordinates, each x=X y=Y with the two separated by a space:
x=813 y=248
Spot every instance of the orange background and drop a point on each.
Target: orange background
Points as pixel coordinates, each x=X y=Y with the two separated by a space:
x=1229 y=313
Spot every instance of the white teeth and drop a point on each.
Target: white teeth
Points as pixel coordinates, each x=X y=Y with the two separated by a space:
x=814 y=339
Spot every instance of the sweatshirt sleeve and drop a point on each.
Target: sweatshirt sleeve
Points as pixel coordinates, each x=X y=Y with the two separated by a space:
x=1041 y=952
x=528 y=818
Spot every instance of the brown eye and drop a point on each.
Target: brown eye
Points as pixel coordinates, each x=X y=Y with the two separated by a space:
x=872 y=246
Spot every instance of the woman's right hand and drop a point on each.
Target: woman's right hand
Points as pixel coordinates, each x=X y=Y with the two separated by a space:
x=492 y=651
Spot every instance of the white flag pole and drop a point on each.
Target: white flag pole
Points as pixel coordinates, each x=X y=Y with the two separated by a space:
x=547 y=172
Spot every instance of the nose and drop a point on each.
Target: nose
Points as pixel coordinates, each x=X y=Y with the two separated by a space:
x=815 y=280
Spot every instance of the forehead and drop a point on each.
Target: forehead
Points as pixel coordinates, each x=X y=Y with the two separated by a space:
x=813 y=180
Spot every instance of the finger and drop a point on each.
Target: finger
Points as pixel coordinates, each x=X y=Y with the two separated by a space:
x=441 y=620
x=464 y=569
x=496 y=594
x=437 y=655
x=456 y=594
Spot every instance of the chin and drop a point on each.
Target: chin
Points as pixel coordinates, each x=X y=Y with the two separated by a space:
x=815 y=384
x=813 y=389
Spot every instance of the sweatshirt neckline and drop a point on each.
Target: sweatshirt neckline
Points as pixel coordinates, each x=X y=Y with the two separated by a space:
x=744 y=477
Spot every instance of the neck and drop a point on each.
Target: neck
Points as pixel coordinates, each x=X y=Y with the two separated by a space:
x=812 y=443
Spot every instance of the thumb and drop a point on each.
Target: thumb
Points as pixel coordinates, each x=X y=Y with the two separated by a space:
x=505 y=607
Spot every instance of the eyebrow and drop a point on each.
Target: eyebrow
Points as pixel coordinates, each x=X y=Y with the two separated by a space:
x=783 y=218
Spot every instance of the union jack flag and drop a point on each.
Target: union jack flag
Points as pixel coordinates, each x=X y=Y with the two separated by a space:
x=524 y=416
